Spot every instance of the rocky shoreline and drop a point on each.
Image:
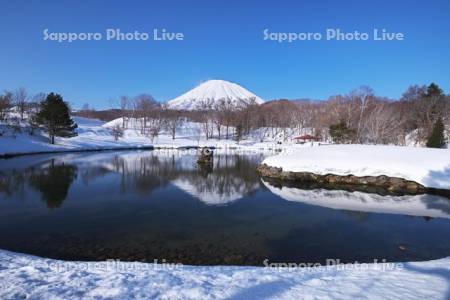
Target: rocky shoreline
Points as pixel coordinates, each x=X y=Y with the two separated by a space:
x=390 y=184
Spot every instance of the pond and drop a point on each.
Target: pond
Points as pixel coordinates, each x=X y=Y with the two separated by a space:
x=147 y=205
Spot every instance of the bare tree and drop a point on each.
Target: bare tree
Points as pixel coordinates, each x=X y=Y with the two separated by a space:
x=205 y=108
x=226 y=111
x=33 y=108
x=144 y=108
x=86 y=111
x=20 y=98
x=361 y=97
x=124 y=103
x=381 y=125
x=5 y=104
x=173 y=120
x=154 y=128
x=117 y=131
x=217 y=118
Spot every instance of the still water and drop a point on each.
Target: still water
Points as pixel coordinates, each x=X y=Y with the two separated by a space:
x=146 y=205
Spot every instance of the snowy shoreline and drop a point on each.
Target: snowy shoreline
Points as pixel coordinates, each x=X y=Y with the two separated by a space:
x=95 y=135
x=27 y=276
x=427 y=167
x=59 y=151
x=225 y=148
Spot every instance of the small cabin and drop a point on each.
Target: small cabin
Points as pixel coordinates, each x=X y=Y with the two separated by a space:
x=304 y=138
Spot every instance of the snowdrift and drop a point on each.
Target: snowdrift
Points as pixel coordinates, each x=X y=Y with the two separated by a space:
x=429 y=167
x=26 y=276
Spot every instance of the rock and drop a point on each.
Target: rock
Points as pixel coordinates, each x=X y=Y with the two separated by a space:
x=390 y=184
x=205 y=156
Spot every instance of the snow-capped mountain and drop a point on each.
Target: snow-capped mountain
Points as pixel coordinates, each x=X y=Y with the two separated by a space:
x=211 y=92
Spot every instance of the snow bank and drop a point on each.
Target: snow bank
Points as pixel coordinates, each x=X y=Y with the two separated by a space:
x=24 y=276
x=429 y=167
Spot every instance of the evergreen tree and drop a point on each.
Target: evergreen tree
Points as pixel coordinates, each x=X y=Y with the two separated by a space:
x=437 y=139
x=341 y=133
x=433 y=90
x=54 y=117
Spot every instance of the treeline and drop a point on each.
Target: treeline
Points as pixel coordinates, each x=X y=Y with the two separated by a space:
x=21 y=112
x=421 y=116
x=357 y=117
x=363 y=117
x=23 y=103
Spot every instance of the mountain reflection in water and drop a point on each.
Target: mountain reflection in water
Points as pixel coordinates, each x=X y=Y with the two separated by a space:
x=146 y=205
x=230 y=178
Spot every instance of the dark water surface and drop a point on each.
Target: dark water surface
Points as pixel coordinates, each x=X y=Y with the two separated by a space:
x=159 y=205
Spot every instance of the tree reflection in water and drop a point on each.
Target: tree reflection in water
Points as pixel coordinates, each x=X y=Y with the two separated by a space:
x=230 y=177
x=145 y=205
x=53 y=182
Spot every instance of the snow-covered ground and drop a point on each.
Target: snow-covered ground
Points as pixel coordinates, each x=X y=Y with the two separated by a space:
x=28 y=277
x=91 y=135
x=429 y=167
x=95 y=134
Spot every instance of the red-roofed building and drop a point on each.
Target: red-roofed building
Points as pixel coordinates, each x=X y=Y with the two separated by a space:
x=305 y=138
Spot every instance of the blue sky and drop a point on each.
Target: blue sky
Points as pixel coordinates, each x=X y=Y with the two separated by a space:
x=223 y=40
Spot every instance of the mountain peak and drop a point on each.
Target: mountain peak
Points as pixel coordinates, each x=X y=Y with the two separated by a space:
x=213 y=91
